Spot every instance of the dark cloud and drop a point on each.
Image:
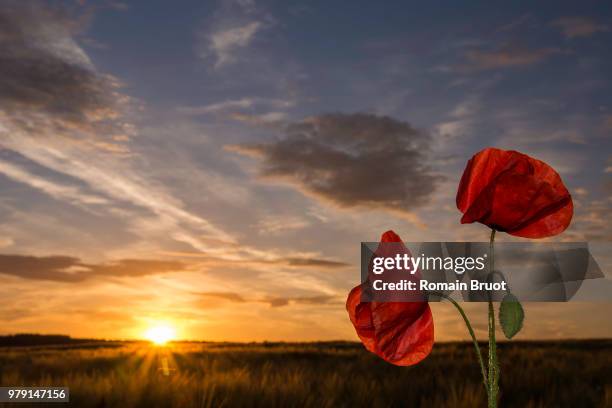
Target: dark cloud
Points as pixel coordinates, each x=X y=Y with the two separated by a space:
x=351 y=160
x=53 y=268
x=69 y=269
x=46 y=80
x=573 y=27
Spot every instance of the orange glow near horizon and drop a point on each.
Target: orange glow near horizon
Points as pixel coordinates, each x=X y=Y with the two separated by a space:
x=160 y=334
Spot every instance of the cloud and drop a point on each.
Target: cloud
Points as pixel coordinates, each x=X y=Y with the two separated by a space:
x=241 y=110
x=217 y=107
x=48 y=85
x=120 y=181
x=269 y=119
x=244 y=46
x=454 y=128
x=520 y=21
x=134 y=267
x=307 y=300
x=67 y=119
x=579 y=191
x=507 y=56
x=351 y=160
x=229 y=296
x=208 y=299
x=462 y=117
x=224 y=43
x=520 y=134
x=264 y=259
x=233 y=104
x=575 y=27
x=273 y=225
x=607 y=123
x=6 y=242
x=592 y=220
x=313 y=262
x=55 y=190
x=71 y=270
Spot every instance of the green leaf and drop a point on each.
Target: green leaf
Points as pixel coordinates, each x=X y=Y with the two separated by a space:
x=511 y=315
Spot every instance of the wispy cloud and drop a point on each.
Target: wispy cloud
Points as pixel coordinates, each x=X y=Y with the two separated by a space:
x=461 y=118
x=233 y=104
x=268 y=119
x=231 y=30
x=208 y=299
x=5 y=242
x=520 y=21
x=507 y=56
x=59 y=191
x=519 y=135
x=592 y=221
x=278 y=224
x=118 y=181
x=307 y=300
x=607 y=123
x=244 y=46
x=64 y=116
x=224 y=43
x=208 y=261
x=575 y=27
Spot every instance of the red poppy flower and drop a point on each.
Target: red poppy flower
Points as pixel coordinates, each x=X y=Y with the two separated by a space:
x=512 y=192
x=402 y=333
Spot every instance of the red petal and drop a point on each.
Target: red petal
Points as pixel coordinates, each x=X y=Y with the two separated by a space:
x=401 y=333
x=512 y=192
x=361 y=317
x=390 y=236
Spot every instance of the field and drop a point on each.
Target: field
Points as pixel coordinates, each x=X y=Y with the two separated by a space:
x=534 y=374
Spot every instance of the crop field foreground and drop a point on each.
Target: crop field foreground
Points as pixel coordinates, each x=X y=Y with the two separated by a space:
x=335 y=374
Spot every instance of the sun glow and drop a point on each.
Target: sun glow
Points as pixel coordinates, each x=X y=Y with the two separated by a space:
x=161 y=334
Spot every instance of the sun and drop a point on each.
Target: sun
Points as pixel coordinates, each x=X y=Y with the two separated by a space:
x=160 y=334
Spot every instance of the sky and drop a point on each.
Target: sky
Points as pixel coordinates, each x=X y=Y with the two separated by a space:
x=214 y=166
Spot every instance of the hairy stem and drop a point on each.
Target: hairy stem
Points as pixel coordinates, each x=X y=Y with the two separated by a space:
x=493 y=377
x=476 y=346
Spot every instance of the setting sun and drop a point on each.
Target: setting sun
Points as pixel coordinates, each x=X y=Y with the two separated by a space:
x=160 y=335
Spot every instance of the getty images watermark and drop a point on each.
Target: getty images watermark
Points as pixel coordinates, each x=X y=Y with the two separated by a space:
x=545 y=272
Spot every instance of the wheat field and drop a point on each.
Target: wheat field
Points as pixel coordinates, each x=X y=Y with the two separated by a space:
x=338 y=374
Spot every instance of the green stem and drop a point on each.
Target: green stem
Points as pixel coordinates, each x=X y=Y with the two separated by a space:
x=476 y=346
x=493 y=364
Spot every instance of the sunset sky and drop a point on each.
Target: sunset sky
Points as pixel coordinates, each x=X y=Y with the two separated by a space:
x=214 y=166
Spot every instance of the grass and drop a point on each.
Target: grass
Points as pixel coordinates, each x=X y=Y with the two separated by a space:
x=534 y=374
